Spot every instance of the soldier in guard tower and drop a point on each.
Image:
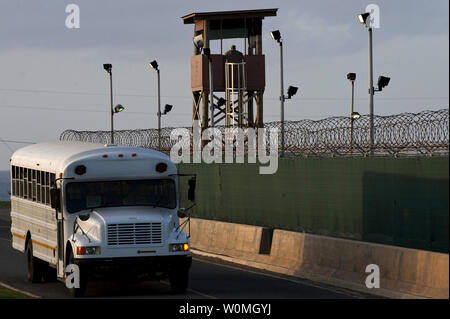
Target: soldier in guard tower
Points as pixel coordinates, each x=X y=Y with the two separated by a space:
x=233 y=51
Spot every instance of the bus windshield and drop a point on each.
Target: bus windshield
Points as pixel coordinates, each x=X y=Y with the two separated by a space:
x=88 y=195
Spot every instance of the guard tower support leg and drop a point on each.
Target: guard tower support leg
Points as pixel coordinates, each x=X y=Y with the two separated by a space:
x=259 y=95
x=250 y=121
x=195 y=96
x=205 y=107
x=205 y=97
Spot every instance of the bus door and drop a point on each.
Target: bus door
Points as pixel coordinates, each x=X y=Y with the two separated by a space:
x=57 y=205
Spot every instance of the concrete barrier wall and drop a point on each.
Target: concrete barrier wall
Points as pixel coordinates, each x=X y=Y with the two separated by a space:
x=404 y=273
x=225 y=238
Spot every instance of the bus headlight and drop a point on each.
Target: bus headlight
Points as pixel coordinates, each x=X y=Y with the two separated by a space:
x=179 y=247
x=88 y=250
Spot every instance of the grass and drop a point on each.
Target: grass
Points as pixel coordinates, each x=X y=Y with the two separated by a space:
x=5 y=204
x=11 y=294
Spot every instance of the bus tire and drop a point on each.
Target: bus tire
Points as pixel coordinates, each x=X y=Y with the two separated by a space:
x=78 y=292
x=34 y=265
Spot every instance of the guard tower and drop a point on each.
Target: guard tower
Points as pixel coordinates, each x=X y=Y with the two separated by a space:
x=239 y=77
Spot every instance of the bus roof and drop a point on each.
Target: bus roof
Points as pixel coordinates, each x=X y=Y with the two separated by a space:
x=55 y=156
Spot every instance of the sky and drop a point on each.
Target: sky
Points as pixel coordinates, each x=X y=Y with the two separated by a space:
x=52 y=77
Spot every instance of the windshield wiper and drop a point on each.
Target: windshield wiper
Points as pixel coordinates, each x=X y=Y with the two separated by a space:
x=158 y=201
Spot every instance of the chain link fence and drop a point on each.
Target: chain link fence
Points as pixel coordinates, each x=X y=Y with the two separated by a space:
x=424 y=133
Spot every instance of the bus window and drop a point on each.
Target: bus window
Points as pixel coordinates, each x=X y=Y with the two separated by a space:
x=38 y=186
x=87 y=195
x=13 y=180
x=33 y=186
x=21 y=186
x=29 y=184
x=43 y=187
x=47 y=188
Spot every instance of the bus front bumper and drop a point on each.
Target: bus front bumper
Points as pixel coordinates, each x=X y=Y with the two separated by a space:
x=153 y=267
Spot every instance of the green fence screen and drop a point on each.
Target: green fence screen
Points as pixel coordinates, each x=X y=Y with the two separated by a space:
x=395 y=201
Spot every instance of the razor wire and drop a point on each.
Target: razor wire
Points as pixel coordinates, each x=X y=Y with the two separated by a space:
x=424 y=133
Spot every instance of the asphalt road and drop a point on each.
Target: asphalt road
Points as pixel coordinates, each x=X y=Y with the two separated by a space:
x=209 y=278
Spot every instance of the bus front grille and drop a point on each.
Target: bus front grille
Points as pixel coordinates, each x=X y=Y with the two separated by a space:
x=134 y=234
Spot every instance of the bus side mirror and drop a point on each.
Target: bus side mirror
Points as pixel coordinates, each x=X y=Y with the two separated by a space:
x=182 y=213
x=191 y=190
x=55 y=198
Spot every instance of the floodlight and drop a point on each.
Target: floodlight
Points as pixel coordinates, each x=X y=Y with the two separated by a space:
x=351 y=76
x=362 y=17
x=355 y=116
x=154 y=64
x=383 y=81
x=107 y=67
x=276 y=35
x=198 y=41
x=119 y=108
x=292 y=90
x=167 y=108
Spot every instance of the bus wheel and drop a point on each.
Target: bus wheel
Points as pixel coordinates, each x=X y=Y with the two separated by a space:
x=178 y=278
x=34 y=265
x=78 y=292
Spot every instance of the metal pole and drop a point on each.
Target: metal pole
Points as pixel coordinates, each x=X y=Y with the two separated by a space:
x=282 y=98
x=371 y=93
x=211 y=91
x=159 y=113
x=351 y=117
x=239 y=100
x=112 y=110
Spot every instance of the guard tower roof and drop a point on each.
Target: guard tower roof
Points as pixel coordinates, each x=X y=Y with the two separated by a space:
x=217 y=15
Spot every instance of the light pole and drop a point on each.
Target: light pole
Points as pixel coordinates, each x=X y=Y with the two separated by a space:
x=364 y=18
x=292 y=90
x=352 y=77
x=276 y=35
x=167 y=107
x=154 y=65
x=371 y=92
x=108 y=68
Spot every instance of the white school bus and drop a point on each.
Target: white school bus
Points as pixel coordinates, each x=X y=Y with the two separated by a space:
x=112 y=211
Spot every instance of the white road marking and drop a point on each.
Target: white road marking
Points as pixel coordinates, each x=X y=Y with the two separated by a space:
x=202 y=294
x=19 y=291
x=192 y=290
